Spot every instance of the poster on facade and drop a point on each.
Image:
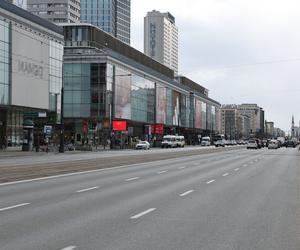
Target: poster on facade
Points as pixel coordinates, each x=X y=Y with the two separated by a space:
x=122 y=94
x=176 y=109
x=203 y=115
x=161 y=104
x=198 y=110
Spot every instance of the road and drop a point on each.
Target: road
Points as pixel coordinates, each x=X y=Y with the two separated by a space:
x=240 y=199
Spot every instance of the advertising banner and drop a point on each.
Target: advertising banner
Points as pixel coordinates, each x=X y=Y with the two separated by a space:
x=161 y=104
x=176 y=109
x=119 y=125
x=198 y=123
x=122 y=94
x=30 y=69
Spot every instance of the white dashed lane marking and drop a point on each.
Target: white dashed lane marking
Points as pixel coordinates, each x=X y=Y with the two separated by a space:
x=14 y=206
x=132 y=179
x=211 y=181
x=69 y=248
x=142 y=213
x=162 y=172
x=87 y=189
x=226 y=174
x=187 y=193
x=237 y=169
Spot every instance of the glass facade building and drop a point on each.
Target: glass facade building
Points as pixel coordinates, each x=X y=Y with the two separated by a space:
x=112 y=16
x=107 y=80
x=31 y=55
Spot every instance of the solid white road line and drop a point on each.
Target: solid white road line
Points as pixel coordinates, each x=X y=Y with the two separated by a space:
x=186 y=193
x=87 y=189
x=142 y=213
x=162 y=172
x=237 y=169
x=226 y=174
x=210 y=181
x=69 y=248
x=15 y=206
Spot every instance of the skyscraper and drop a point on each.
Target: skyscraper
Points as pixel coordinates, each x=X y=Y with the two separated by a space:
x=161 y=38
x=19 y=3
x=112 y=16
x=57 y=11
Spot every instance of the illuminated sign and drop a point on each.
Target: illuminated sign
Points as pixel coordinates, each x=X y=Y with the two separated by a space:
x=119 y=125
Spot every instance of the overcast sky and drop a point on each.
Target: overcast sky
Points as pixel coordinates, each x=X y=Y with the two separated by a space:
x=242 y=51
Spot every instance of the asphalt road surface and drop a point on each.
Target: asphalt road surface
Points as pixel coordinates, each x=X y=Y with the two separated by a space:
x=240 y=199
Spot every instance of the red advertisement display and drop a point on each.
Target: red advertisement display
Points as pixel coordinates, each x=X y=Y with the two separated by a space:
x=159 y=129
x=119 y=125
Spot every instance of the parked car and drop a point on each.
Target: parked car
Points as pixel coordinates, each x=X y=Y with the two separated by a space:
x=142 y=145
x=273 y=144
x=252 y=144
x=290 y=143
x=180 y=141
x=169 y=141
x=220 y=143
x=205 y=141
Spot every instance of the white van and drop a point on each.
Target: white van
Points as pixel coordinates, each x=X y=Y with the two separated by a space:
x=169 y=141
x=180 y=141
x=205 y=141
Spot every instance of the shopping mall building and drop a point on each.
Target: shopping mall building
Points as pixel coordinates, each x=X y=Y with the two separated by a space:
x=106 y=81
x=31 y=52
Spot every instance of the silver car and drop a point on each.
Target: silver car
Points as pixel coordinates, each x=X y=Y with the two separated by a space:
x=143 y=145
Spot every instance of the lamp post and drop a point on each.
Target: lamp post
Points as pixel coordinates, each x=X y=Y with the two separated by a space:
x=62 y=136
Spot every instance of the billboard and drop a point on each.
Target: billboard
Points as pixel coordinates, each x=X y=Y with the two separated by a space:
x=119 y=125
x=161 y=104
x=176 y=109
x=198 y=122
x=122 y=94
x=30 y=69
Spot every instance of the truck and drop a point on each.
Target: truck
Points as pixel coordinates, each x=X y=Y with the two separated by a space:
x=205 y=141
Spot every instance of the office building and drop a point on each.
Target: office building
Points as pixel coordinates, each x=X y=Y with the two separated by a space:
x=57 y=11
x=20 y=3
x=30 y=73
x=257 y=118
x=107 y=81
x=161 y=39
x=112 y=16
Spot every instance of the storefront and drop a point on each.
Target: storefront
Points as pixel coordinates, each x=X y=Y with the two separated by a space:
x=30 y=73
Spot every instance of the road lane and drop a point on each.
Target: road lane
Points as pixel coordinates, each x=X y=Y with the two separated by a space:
x=108 y=212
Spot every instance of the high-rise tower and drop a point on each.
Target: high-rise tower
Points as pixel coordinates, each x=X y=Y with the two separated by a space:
x=57 y=11
x=112 y=16
x=161 y=38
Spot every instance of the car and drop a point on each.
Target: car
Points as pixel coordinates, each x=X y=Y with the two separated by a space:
x=205 y=141
x=169 y=141
x=273 y=144
x=143 y=145
x=180 y=141
x=290 y=143
x=252 y=144
x=220 y=143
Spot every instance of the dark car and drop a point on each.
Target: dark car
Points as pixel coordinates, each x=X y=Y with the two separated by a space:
x=290 y=144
